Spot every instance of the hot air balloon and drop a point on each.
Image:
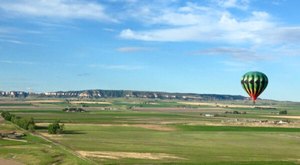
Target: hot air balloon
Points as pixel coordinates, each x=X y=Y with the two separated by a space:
x=254 y=84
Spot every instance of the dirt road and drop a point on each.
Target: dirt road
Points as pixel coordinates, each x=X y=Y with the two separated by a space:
x=10 y=162
x=1 y=119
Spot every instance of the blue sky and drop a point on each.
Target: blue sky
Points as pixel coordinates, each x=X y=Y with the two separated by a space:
x=175 y=46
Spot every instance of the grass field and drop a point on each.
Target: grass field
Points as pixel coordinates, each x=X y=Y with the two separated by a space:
x=34 y=150
x=141 y=131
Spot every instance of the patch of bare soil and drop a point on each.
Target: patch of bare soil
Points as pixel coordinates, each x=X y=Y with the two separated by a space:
x=89 y=102
x=286 y=117
x=52 y=136
x=133 y=155
x=33 y=107
x=253 y=124
x=241 y=122
x=154 y=127
x=18 y=140
x=9 y=162
x=21 y=147
x=223 y=105
x=45 y=101
x=181 y=109
x=198 y=103
x=42 y=124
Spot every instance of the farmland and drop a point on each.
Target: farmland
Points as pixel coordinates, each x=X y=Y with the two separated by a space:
x=153 y=131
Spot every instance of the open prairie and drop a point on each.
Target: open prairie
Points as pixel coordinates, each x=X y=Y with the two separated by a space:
x=144 y=131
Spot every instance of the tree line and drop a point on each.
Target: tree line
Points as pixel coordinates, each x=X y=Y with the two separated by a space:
x=25 y=123
x=29 y=124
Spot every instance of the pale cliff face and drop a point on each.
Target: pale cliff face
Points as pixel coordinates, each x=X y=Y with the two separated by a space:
x=121 y=93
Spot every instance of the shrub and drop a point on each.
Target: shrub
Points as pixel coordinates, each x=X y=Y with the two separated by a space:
x=73 y=109
x=55 y=128
x=284 y=112
x=236 y=112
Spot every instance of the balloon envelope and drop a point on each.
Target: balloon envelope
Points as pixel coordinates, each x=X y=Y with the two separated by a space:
x=254 y=83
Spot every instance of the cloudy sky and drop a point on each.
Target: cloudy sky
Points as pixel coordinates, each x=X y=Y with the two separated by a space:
x=175 y=45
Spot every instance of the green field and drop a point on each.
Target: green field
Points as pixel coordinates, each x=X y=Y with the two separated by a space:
x=35 y=150
x=138 y=131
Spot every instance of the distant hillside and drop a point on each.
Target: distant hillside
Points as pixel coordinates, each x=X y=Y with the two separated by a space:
x=120 y=94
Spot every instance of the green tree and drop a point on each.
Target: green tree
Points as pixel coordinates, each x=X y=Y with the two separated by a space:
x=31 y=127
x=55 y=128
x=29 y=124
x=6 y=115
x=284 y=112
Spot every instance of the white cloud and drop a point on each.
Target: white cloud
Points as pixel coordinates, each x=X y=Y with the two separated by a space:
x=237 y=66
x=257 y=30
x=14 y=30
x=13 y=41
x=16 y=62
x=132 y=49
x=9 y=38
x=180 y=18
x=193 y=22
x=277 y=2
x=57 y=9
x=271 y=53
x=240 y=4
x=168 y=21
x=225 y=29
x=221 y=50
x=109 y=29
x=237 y=53
x=191 y=33
x=164 y=14
x=284 y=34
x=55 y=25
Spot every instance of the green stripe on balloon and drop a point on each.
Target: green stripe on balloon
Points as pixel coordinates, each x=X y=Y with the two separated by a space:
x=254 y=83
